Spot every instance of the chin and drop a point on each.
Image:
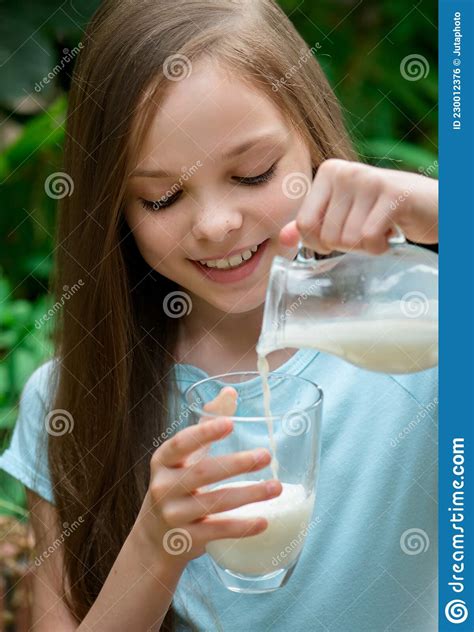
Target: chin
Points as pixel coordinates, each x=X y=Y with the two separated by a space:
x=238 y=304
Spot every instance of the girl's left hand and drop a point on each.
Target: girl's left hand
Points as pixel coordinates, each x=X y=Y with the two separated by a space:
x=353 y=206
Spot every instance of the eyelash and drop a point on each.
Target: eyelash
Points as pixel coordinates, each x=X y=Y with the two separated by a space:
x=255 y=180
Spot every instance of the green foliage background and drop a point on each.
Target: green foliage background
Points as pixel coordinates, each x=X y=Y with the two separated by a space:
x=360 y=44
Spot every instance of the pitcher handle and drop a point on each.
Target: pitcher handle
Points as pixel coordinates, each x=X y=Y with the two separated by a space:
x=397 y=238
x=306 y=255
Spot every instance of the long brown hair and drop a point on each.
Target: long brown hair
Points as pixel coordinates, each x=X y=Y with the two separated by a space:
x=114 y=342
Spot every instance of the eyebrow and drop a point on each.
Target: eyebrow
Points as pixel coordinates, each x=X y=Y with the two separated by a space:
x=249 y=144
x=238 y=150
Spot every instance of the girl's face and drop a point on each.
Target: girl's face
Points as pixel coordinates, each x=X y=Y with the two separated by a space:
x=192 y=197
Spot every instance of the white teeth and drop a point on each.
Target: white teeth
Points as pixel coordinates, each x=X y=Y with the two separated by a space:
x=231 y=262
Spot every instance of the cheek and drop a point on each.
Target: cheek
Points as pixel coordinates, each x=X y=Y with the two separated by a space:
x=154 y=240
x=279 y=204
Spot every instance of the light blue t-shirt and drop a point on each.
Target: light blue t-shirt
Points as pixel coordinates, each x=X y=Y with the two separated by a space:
x=370 y=562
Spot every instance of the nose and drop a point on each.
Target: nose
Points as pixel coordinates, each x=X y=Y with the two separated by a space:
x=216 y=222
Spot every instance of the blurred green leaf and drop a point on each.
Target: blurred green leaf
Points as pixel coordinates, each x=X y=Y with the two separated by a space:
x=412 y=157
x=12 y=496
x=7 y=418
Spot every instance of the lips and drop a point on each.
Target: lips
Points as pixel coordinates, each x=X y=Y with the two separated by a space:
x=228 y=255
x=231 y=275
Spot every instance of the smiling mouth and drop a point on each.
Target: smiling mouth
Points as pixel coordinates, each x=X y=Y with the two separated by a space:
x=236 y=273
x=231 y=263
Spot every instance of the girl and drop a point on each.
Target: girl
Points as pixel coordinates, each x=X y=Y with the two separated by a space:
x=184 y=143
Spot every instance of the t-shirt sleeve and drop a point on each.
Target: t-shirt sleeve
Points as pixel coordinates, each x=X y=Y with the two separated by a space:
x=26 y=457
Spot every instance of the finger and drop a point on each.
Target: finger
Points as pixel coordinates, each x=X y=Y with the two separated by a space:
x=335 y=217
x=289 y=235
x=183 y=510
x=378 y=227
x=185 y=442
x=351 y=235
x=310 y=217
x=224 y=404
x=310 y=238
x=212 y=469
x=223 y=528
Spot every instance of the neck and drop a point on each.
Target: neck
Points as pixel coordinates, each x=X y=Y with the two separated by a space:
x=217 y=341
x=234 y=331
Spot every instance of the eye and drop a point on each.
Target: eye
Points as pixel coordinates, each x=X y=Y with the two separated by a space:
x=163 y=202
x=264 y=177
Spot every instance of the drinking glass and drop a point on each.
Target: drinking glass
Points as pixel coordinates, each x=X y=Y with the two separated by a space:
x=265 y=562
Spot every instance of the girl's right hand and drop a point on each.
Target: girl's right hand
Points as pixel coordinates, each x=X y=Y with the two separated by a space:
x=176 y=516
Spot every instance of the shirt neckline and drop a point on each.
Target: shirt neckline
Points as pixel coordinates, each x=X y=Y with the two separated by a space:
x=293 y=366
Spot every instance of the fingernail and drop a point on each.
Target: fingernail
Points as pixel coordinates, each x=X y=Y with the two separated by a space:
x=272 y=487
x=223 y=424
x=260 y=455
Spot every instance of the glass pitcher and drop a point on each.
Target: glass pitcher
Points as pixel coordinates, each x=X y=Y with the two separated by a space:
x=378 y=312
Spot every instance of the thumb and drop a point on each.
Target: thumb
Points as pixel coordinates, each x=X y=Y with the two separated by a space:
x=289 y=235
x=224 y=404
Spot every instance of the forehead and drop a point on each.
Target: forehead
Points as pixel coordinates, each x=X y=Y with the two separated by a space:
x=204 y=114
